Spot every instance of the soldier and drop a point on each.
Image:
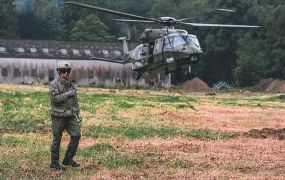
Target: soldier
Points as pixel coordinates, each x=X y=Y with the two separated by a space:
x=65 y=115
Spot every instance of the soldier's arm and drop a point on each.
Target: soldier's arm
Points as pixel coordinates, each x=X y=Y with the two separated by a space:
x=76 y=100
x=56 y=96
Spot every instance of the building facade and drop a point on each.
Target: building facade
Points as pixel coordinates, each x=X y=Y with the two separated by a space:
x=29 y=62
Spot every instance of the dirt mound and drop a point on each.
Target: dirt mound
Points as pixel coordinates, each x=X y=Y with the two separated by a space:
x=195 y=84
x=266 y=132
x=272 y=85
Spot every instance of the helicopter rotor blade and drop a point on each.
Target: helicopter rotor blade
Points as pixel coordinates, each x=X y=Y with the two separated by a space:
x=184 y=19
x=226 y=10
x=133 y=20
x=109 y=11
x=108 y=60
x=220 y=25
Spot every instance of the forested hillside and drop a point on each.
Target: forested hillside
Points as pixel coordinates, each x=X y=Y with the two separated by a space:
x=240 y=56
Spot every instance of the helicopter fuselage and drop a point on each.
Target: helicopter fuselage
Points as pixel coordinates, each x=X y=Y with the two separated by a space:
x=164 y=50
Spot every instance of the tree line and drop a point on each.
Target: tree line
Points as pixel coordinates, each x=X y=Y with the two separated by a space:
x=239 y=56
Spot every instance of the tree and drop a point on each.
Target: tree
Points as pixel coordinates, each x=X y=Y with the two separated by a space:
x=261 y=54
x=90 y=29
x=275 y=42
x=250 y=66
x=8 y=20
x=43 y=21
x=220 y=44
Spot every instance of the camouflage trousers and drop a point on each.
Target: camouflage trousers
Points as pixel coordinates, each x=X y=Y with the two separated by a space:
x=59 y=124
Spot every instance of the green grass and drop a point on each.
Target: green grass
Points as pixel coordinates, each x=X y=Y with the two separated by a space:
x=145 y=132
x=26 y=157
x=11 y=141
x=24 y=111
x=29 y=111
x=253 y=102
x=29 y=162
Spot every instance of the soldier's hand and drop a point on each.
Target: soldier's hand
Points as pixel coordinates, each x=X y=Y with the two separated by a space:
x=79 y=118
x=70 y=93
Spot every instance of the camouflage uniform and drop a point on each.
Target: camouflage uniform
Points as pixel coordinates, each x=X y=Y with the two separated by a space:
x=64 y=109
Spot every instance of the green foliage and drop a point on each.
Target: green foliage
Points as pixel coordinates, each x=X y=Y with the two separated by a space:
x=275 y=41
x=261 y=55
x=90 y=29
x=250 y=66
x=8 y=20
x=43 y=21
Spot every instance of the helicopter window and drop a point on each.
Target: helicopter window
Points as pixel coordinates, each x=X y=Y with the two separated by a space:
x=178 y=40
x=174 y=41
x=193 y=40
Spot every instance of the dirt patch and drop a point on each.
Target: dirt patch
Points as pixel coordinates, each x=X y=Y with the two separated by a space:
x=87 y=142
x=6 y=131
x=195 y=84
x=270 y=84
x=246 y=158
x=266 y=132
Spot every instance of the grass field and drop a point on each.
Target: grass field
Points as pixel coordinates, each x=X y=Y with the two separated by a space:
x=147 y=134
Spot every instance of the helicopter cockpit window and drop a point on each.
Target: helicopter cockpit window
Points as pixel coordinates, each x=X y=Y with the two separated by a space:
x=174 y=41
x=192 y=40
x=178 y=40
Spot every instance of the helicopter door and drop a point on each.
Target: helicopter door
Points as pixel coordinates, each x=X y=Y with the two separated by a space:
x=157 y=50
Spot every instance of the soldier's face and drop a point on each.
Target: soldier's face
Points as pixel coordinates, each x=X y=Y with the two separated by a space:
x=64 y=73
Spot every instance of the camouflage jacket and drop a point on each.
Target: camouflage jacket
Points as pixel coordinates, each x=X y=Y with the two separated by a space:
x=63 y=105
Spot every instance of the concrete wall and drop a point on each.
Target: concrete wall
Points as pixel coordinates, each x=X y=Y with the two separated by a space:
x=84 y=72
x=27 y=62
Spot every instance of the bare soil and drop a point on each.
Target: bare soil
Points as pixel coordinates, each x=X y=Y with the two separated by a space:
x=267 y=132
x=195 y=84
x=270 y=85
x=244 y=158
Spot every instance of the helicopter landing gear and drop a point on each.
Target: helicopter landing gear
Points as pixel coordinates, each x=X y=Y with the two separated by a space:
x=139 y=75
x=189 y=70
x=178 y=75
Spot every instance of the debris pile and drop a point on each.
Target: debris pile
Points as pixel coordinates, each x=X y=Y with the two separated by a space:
x=221 y=85
x=270 y=84
x=266 y=132
x=195 y=84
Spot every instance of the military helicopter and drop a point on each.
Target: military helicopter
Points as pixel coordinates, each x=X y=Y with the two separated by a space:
x=165 y=50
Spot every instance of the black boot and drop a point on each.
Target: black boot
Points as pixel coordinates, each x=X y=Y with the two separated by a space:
x=71 y=163
x=56 y=166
